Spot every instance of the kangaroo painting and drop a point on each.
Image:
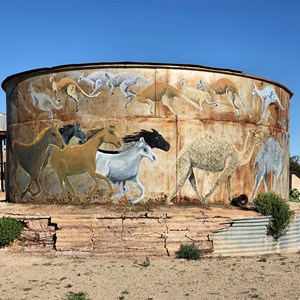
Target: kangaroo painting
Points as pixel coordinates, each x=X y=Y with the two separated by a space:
x=268 y=96
x=198 y=96
x=164 y=93
x=69 y=85
x=96 y=80
x=224 y=86
x=124 y=81
x=213 y=154
x=42 y=101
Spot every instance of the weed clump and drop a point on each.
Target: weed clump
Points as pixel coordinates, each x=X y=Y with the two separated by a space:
x=294 y=195
x=188 y=252
x=271 y=204
x=10 y=229
x=77 y=296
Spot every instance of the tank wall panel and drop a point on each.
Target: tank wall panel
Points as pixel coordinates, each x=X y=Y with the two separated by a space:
x=206 y=128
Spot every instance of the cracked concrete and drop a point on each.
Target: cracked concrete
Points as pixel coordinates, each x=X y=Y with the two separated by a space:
x=104 y=231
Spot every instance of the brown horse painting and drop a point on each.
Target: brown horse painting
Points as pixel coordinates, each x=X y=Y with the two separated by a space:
x=32 y=156
x=80 y=159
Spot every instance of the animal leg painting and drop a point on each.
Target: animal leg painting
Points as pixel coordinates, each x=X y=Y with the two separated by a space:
x=213 y=154
x=30 y=157
x=80 y=159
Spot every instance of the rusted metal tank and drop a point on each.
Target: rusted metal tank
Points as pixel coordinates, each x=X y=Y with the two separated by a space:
x=190 y=134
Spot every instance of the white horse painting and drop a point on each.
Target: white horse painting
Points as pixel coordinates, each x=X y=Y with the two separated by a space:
x=124 y=166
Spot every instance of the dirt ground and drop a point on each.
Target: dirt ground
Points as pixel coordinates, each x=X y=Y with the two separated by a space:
x=28 y=276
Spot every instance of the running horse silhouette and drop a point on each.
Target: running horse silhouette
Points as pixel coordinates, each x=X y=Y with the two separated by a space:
x=80 y=159
x=153 y=138
x=67 y=132
x=32 y=156
x=124 y=166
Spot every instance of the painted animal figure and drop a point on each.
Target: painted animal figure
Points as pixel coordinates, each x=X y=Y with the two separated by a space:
x=224 y=86
x=153 y=138
x=31 y=157
x=199 y=97
x=268 y=96
x=71 y=130
x=69 y=85
x=67 y=132
x=124 y=166
x=43 y=101
x=213 y=154
x=96 y=80
x=162 y=92
x=124 y=81
x=20 y=96
x=270 y=159
x=80 y=159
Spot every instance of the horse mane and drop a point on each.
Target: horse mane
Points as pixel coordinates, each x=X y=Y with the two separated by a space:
x=92 y=132
x=128 y=146
x=42 y=133
x=65 y=128
x=135 y=136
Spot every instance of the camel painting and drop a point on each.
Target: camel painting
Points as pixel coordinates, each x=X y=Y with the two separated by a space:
x=270 y=159
x=213 y=154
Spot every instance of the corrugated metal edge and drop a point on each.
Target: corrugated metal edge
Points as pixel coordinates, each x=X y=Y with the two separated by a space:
x=248 y=237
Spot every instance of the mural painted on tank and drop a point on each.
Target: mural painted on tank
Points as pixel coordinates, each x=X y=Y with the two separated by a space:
x=268 y=96
x=121 y=167
x=80 y=159
x=43 y=101
x=197 y=95
x=224 y=86
x=214 y=154
x=122 y=80
x=174 y=98
x=67 y=133
x=69 y=86
x=270 y=159
x=30 y=157
x=164 y=93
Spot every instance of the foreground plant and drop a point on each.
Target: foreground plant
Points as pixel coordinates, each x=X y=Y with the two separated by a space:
x=77 y=296
x=188 y=252
x=294 y=195
x=10 y=229
x=271 y=204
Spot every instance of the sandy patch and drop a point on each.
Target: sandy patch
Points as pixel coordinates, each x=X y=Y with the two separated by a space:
x=27 y=276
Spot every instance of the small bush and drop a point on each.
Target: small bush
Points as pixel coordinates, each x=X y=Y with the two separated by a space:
x=77 y=296
x=270 y=204
x=189 y=252
x=294 y=195
x=146 y=262
x=10 y=229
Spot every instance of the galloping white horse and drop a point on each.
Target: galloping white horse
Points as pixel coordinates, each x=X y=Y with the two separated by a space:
x=124 y=166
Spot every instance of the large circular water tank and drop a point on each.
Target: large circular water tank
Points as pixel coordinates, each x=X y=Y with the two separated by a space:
x=188 y=134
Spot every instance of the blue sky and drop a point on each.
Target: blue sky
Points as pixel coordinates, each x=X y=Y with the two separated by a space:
x=258 y=37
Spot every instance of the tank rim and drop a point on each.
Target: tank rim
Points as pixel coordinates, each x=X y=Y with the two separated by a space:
x=19 y=77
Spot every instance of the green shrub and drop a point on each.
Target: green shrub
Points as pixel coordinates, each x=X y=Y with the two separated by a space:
x=77 y=296
x=271 y=204
x=10 y=229
x=294 y=195
x=189 y=252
